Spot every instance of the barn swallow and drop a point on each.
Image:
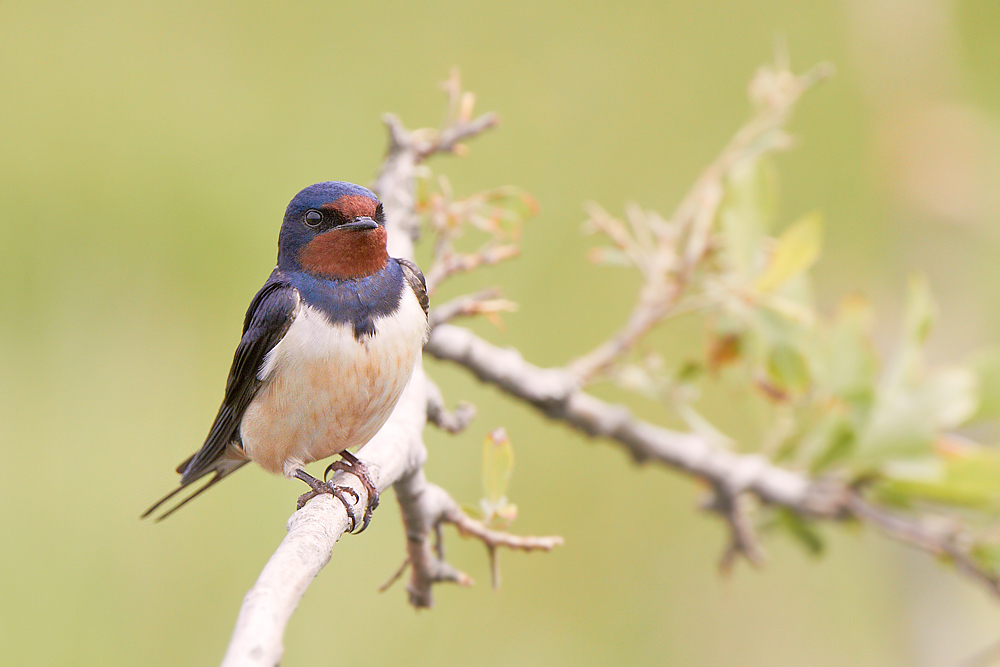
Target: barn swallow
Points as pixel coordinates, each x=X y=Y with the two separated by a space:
x=329 y=342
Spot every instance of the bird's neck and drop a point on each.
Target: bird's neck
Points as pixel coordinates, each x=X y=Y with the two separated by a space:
x=345 y=254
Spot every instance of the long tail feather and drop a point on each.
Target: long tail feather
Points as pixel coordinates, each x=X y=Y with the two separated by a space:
x=222 y=470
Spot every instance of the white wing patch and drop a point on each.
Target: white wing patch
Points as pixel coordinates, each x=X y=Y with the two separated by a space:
x=324 y=391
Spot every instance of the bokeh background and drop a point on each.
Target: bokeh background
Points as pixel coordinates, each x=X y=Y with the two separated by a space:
x=147 y=151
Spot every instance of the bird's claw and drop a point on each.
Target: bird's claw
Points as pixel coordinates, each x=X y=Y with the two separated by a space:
x=350 y=463
x=339 y=492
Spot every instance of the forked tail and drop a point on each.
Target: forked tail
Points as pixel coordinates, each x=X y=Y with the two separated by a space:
x=224 y=467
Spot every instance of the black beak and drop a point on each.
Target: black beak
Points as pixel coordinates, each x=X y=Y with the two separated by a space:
x=360 y=224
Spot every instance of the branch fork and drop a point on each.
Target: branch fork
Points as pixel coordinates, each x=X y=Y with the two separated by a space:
x=394 y=457
x=668 y=253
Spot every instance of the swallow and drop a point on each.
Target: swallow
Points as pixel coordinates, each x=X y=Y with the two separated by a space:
x=329 y=342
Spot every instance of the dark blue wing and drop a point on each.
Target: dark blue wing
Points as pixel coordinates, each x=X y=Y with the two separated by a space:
x=270 y=315
x=416 y=281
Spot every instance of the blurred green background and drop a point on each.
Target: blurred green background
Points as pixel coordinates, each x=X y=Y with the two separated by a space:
x=148 y=151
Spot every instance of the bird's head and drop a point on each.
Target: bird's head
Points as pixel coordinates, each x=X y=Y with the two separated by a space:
x=333 y=230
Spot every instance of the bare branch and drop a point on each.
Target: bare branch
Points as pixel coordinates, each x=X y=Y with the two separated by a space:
x=493 y=539
x=458 y=126
x=462 y=263
x=486 y=302
x=395 y=455
x=555 y=393
x=449 y=138
x=425 y=506
x=469 y=527
x=667 y=253
x=775 y=93
x=743 y=542
x=438 y=414
x=313 y=530
x=943 y=538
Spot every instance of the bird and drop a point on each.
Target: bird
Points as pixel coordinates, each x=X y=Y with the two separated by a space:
x=328 y=345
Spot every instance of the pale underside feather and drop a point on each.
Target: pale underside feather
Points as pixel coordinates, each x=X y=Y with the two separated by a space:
x=325 y=391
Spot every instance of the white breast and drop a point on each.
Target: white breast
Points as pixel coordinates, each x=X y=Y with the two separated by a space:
x=325 y=391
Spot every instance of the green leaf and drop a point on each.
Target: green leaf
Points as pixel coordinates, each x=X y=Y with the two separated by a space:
x=851 y=364
x=987 y=555
x=474 y=512
x=795 y=251
x=906 y=421
x=986 y=366
x=913 y=406
x=839 y=442
x=773 y=330
x=899 y=427
x=918 y=319
x=920 y=311
x=747 y=212
x=968 y=479
x=950 y=395
x=787 y=369
x=689 y=371
x=498 y=463
x=802 y=530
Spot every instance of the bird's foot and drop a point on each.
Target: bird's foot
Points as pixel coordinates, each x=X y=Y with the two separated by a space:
x=320 y=487
x=350 y=463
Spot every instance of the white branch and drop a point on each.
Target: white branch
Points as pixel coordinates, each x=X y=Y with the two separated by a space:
x=556 y=392
x=395 y=456
x=395 y=451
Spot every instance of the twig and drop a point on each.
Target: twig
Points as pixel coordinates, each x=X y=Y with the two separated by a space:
x=425 y=507
x=485 y=302
x=450 y=137
x=395 y=577
x=313 y=531
x=743 y=542
x=556 y=393
x=469 y=527
x=775 y=93
x=944 y=540
x=395 y=456
x=461 y=263
x=438 y=414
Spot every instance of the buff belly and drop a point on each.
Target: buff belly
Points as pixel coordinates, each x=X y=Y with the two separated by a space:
x=325 y=391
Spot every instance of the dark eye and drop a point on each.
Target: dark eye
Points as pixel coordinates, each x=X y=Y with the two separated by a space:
x=313 y=218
